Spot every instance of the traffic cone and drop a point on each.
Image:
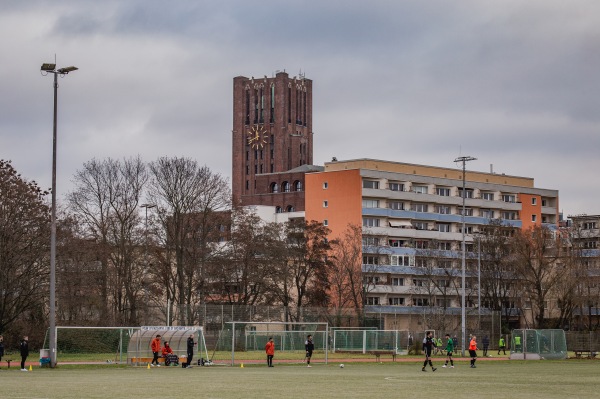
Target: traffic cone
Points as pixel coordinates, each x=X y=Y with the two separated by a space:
x=148 y=366
x=30 y=369
x=242 y=366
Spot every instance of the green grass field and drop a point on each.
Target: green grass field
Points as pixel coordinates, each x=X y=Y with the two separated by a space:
x=496 y=379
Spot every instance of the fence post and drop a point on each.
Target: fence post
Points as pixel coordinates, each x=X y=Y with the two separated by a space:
x=364 y=341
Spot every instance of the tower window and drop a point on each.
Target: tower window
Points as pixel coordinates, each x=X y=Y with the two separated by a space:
x=298 y=185
x=274 y=188
x=285 y=187
x=290 y=208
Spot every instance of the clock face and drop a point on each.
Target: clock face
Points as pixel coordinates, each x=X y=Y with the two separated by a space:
x=257 y=136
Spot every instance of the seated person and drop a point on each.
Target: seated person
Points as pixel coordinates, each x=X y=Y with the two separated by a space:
x=167 y=350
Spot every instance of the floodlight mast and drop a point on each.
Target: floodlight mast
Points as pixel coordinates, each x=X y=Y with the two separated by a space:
x=463 y=321
x=51 y=68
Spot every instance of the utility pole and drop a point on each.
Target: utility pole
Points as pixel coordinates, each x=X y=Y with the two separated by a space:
x=463 y=322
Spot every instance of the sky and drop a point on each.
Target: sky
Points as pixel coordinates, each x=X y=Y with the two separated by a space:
x=514 y=83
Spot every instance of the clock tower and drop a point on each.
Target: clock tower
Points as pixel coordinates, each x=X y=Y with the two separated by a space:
x=272 y=140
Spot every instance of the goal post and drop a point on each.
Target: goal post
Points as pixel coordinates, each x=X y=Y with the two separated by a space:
x=288 y=336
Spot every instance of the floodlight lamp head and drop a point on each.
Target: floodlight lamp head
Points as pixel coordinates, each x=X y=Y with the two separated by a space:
x=48 y=67
x=67 y=69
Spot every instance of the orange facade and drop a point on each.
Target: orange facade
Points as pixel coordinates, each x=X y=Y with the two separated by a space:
x=335 y=197
x=531 y=210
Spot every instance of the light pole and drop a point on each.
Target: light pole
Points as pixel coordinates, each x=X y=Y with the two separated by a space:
x=146 y=206
x=463 y=322
x=46 y=69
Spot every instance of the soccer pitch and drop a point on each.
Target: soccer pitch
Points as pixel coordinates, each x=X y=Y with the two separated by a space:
x=497 y=379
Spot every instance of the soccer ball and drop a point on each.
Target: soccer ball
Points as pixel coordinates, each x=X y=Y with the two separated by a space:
x=342 y=365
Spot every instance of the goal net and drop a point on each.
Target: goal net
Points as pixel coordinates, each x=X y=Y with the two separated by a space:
x=538 y=344
x=363 y=341
x=289 y=338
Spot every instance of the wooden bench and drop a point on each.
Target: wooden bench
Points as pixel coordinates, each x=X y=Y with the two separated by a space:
x=378 y=354
x=585 y=353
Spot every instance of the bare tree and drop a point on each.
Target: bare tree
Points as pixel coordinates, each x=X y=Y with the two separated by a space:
x=536 y=256
x=189 y=199
x=106 y=199
x=24 y=239
x=345 y=273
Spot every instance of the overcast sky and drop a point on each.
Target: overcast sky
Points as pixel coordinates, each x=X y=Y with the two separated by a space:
x=514 y=83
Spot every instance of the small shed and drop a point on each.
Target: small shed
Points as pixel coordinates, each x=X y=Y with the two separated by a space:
x=139 y=352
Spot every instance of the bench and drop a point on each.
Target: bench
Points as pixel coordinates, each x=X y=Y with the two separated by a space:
x=585 y=353
x=378 y=354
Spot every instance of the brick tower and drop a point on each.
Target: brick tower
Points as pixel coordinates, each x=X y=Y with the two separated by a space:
x=272 y=140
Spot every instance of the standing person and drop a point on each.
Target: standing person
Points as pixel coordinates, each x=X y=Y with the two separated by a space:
x=428 y=345
x=473 y=351
x=155 y=346
x=190 y=350
x=439 y=346
x=502 y=345
x=24 y=347
x=486 y=345
x=518 y=343
x=1 y=347
x=309 y=346
x=449 y=350
x=270 y=350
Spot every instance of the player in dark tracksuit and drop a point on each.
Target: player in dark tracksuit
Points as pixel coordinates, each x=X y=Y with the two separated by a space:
x=428 y=345
x=309 y=346
x=190 y=350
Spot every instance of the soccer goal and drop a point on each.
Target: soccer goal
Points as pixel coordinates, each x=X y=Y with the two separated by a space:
x=244 y=336
x=366 y=340
x=538 y=344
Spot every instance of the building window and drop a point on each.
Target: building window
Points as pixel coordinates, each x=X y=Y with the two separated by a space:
x=400 y=260
x=421 y=244
x=420 y=225
x=370 y=222
x=418 y=207
x=325 y=222
x=589 y=226
x=534 y=218
x=285 y=187
x=370 y=260
x=325 y=185
x=396 y=301
x=298 y=185
x=396 y=186
x=325 y=204
x=397 y=281
x=443 y=227
x=445 y=245
x=370 y=241
x=544 y=202
x=467 y=211
x=368 y=203
x=468 y=193
x=278 y=209
x=255 y=169
x=509 y=215
x=395 y=205
x=290 y=208
x=444 y=264
x=442 y=191
x=420 y=302
x=396 y=243
x=442 y=209
x=370 y=184
x=487 y=196
x=274 y=188
x=468 y=229
x=247 y=184
x=419 y=189
x=421 y=262
x=443 y=303
x=534 y=201
x=509 y=198
x=487 y=213
x=419 y=282
x=372 y=300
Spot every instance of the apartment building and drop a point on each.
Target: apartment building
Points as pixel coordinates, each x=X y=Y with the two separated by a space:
x=411 y=217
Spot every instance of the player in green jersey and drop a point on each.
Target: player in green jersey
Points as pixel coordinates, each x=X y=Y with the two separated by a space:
x=449 y=350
